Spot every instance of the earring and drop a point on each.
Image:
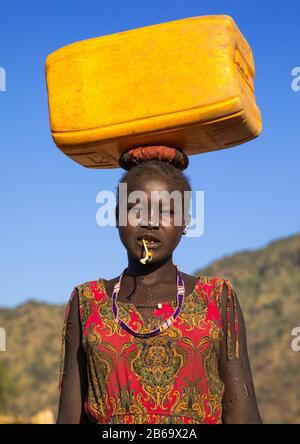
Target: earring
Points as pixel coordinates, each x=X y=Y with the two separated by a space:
x=185 y=229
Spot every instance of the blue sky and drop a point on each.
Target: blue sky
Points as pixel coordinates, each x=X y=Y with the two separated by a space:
x=49 y=238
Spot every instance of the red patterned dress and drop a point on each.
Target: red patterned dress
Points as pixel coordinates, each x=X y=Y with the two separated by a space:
x=171 y=378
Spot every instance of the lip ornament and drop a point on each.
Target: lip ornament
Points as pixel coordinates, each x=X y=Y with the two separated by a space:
x=148 y=255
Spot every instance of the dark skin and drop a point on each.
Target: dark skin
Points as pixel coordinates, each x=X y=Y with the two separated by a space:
x=239 y=400
x=160 y=273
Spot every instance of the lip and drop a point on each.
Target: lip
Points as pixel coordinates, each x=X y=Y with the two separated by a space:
x=150 y=245
x=148 y=237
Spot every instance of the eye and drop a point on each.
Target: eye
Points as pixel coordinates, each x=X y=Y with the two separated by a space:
x=136 y=211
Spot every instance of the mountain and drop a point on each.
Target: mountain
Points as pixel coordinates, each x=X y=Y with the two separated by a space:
x=31 y=359
x=267 y=284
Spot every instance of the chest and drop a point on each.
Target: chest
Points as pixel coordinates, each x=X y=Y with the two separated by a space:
x=197 y=328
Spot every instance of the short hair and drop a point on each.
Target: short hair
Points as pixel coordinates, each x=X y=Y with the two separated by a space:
x=157 y=168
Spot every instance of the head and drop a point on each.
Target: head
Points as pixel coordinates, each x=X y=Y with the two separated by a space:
x=155 y=206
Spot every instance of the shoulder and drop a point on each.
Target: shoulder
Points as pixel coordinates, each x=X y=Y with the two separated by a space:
x=90 y=290
x=216 y=287
x=86 y=298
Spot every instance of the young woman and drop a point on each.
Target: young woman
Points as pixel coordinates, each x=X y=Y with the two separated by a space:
x=155 y=345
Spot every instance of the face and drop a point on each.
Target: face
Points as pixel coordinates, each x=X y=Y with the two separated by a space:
x=162 y=226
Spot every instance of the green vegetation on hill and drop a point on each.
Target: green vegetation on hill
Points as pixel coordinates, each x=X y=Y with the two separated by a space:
x=31 y=359
x=267 y=284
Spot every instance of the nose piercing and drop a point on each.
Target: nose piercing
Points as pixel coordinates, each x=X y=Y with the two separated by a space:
x=148 y=255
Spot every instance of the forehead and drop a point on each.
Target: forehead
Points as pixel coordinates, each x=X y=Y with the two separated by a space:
x=148 y=183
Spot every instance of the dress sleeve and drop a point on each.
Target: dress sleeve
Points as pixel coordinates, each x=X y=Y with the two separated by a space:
x=72 y=383
x=239 y=401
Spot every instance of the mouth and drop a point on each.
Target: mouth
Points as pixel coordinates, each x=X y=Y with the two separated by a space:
x=151 y=241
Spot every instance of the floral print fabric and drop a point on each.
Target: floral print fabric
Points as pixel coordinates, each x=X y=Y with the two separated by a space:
x=166 y=379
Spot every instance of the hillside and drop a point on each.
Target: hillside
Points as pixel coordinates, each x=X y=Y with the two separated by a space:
x=31 y=356
x=267 y=283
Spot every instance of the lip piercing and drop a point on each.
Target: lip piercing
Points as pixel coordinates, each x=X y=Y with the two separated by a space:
x=148 y=255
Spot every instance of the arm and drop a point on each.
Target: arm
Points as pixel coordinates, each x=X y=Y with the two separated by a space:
x=239 y=400
x=74 y=377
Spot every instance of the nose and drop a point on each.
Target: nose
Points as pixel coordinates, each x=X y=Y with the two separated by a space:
x=152 y=223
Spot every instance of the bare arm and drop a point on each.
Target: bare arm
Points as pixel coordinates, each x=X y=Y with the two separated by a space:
x=239 y=400
x=74 y=377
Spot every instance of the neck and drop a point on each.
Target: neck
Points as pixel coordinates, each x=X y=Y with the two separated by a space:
x=152 y=272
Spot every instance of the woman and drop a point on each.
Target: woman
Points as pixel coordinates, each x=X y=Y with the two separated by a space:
x=154 y=344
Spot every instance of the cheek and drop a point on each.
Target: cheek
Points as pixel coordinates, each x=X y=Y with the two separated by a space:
x=126 y=236
x=174 y=234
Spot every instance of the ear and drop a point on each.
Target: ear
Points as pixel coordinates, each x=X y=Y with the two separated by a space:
x=187 y=219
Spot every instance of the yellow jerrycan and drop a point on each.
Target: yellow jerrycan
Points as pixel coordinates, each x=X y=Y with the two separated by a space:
x=187 y=83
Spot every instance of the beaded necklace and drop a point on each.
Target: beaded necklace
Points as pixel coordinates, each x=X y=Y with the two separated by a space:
x=166 y=324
